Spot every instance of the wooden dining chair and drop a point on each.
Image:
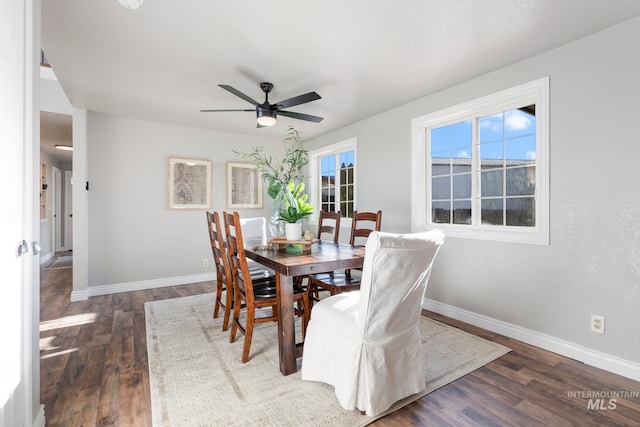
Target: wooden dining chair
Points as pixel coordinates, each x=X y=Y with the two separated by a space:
x=253 y=295
x=224 y=276
x=332 y=227
x=224 y=281
x=328 y=224
x=363 y=223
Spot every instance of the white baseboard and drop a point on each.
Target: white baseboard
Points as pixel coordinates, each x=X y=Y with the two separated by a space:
x=45 y=257
x=93 y=291
x=39 y=420
x=585 y=355
x=79 y=295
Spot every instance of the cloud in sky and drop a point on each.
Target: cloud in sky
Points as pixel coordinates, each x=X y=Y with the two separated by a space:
x=516 y=120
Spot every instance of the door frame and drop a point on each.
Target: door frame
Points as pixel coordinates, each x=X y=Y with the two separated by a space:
x=56 y=181
x=68 y=210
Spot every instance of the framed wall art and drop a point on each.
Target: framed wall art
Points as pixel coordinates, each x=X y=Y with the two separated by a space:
x=244 y=186
x=189 y=183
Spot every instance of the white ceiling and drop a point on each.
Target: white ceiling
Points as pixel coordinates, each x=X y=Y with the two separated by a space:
x=163 y=62
x=56 y=129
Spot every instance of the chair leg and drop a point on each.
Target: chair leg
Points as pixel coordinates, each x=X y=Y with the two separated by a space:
x=311 y=290
x=228 y=307
x=306 y=313
x=248 y=334
x=216 y=306
x=236 y=317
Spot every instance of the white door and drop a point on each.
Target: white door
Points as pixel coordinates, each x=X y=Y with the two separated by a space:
x=12 y=223
x=68 y=210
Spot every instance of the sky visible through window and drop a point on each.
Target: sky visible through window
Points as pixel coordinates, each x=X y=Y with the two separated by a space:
x=328 y=163
x=507 y=135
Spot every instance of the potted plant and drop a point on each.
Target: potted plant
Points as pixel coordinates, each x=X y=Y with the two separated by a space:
x=295 y=208
x=279 y=173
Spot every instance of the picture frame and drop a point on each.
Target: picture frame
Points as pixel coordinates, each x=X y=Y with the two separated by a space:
x=189 y=183
x=244 y=186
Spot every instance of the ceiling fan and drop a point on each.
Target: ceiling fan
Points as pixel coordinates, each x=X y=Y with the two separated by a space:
x=267 y=113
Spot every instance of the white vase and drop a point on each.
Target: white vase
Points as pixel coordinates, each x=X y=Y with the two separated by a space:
x=293 y=231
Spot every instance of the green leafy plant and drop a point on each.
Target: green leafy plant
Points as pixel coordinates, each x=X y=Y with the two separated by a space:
x=278 y=173
x=297 y=206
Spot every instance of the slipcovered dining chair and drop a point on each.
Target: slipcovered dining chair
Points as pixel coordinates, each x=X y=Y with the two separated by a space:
x=367 y=343
x=253 y=295
x=363 y=223
x=254 y=229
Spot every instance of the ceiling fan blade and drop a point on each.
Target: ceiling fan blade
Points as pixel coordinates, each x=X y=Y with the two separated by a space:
x=236 y=92
x=297 y=100
x=218 y=111
x=300 y=116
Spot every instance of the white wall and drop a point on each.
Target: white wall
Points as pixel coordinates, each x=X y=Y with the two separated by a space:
x=593 y=262
x=52 y=97
x=134 y=238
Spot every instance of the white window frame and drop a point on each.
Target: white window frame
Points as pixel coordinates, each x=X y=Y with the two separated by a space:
x=350 y=144
x=535 y=92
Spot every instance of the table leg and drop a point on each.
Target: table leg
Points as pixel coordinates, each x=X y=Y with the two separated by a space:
x=286 y=327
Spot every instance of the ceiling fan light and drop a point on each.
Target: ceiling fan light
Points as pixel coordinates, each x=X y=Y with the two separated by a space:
x=266 y=118
x=131 y=4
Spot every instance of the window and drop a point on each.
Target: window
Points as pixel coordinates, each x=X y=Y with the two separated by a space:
x=332 y=171
x=480 y=170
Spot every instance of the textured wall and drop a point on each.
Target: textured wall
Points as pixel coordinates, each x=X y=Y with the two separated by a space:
x=592 y=265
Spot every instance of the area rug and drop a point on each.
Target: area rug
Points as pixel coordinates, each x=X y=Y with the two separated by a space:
x=61 y=262
x=196 y=377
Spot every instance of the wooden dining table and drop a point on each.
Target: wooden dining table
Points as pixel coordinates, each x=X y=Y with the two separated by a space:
x=323 y=257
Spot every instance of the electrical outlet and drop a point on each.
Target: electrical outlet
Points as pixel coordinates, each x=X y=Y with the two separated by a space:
x=205 y=263
x=597 y=324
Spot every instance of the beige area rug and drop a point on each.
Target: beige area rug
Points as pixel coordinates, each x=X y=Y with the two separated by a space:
x=197 y=379
x=61 y=262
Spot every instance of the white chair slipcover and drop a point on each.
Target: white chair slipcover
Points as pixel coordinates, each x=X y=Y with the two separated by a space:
x=366 y=343
x=253 y=228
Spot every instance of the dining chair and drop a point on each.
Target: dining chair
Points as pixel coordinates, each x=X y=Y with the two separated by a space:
x=332 y=227
x=254 y=295
x=254 y=229
x=363 y=223
x=367 y=343
x=328 y=223
x=224 y=283
x=224 y=276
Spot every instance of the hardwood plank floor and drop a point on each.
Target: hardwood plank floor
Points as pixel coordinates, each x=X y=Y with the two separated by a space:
x=94 y=372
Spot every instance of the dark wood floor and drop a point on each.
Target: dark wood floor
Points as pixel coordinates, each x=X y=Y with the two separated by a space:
x=94 y=372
